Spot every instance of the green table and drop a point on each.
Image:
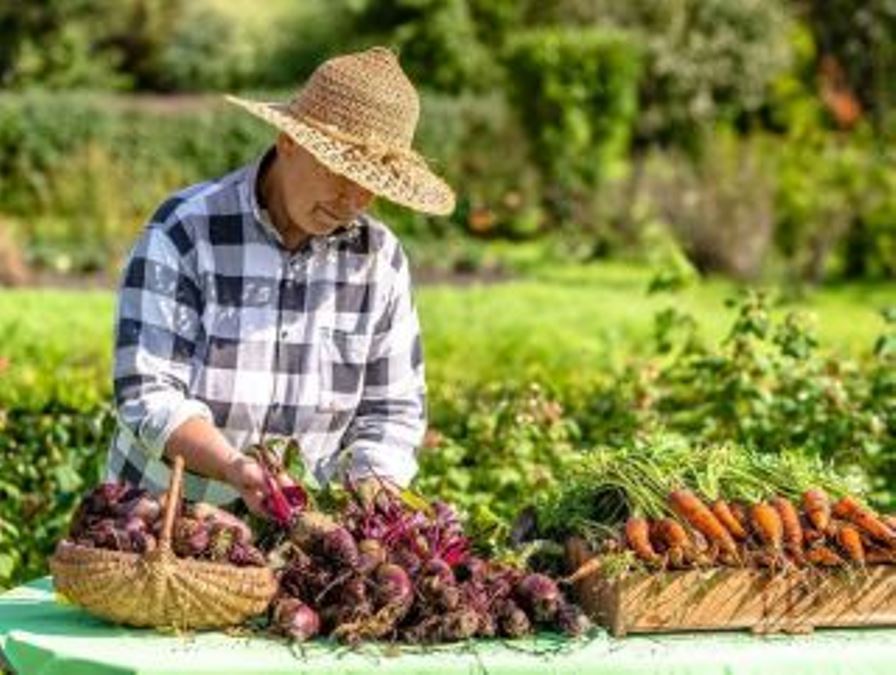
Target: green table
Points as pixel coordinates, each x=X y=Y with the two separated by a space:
x=40 y=635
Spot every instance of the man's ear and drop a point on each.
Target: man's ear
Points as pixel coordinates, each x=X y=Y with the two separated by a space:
x=286 y=147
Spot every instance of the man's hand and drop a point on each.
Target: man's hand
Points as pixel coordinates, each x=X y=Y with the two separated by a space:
x=369 y=488
x=246 y=476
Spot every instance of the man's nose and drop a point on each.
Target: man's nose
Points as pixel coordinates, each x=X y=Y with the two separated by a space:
x=356 y=197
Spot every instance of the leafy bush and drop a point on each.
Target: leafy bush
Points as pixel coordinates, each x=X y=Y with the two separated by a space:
x=766 y=386
x=71 y=162
x=491 y=449
x=705 y=62
x=437 y=40
x=48 y=459
x=721 y=208
x=581 y=119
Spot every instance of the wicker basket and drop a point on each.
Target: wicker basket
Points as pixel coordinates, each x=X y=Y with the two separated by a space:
x=159 y=589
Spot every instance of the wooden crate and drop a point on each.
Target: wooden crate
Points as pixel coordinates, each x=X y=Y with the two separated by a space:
x=760 y=600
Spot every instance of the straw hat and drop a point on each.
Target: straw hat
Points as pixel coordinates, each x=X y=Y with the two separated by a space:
x=357 y=114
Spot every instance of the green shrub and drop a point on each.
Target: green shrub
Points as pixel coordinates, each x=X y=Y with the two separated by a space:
x=83 y=173
x=437 y=41
x=48 y=459
x=575 y=92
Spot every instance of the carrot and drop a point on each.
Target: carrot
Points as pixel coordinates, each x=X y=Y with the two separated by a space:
x=722 y=510
x=671 y=533
x=767 y=524
x=851 y=542
x=824 y=556
x=637 y=534
x=689 y=507
x=875 y=555
x=848 y=508
x=817 y=508
x=812 y=536
x=674 y=540
x=790 y=521
x=586 y=569
x=890 y=521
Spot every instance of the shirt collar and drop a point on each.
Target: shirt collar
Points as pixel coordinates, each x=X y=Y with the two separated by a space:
x=346 y=233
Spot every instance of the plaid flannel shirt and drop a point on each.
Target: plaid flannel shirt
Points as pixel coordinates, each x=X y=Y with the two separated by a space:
x=217 y=319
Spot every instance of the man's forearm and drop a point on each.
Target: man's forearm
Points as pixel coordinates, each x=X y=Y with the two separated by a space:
x=204 y=448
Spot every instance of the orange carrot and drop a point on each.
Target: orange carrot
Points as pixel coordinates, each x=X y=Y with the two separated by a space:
x=812 y=536
x=722 y=510
x=790 y=521
x=875 y=555
x=689 y=507
x=824 y=556
x=637 y=534
x=586 y=569
x=817 y=508
x=848 y=508
x=767 y=524
x=673 y=539
x=851 y=542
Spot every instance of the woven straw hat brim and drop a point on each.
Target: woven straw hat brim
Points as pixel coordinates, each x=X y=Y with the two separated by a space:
x=399 y=175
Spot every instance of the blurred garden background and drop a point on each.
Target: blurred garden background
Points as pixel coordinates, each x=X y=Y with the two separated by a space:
x=674 y=217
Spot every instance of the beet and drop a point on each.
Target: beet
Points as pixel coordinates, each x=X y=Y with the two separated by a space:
x=101 y=500
x=512 y=620
x=295 y=619
x=472 y=569
x=190 y=538
x=539 y=596
x=436 y=567
x=245 y=555
x=215 y=515
x=393 y=586
x=406 y=559
x=339 y=546
x=370 y=555
x=572 y=620
x=142 y=506
x=221 y=539
x=143 y=543
x=134 y=525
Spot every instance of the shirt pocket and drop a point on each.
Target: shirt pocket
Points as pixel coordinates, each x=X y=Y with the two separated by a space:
x=342 y=359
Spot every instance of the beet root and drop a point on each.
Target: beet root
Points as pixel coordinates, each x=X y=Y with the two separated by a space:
x=295 y=619
x=539 y=595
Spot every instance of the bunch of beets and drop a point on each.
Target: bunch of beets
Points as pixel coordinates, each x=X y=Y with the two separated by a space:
x=121 y=517
x=382 y=569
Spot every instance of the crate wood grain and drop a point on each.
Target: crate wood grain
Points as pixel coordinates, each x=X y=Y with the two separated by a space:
x=761 y=600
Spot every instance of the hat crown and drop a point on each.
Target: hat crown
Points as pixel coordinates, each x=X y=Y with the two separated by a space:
x=365 y=95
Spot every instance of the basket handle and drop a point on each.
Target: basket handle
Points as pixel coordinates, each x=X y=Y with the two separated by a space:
x=174 y=489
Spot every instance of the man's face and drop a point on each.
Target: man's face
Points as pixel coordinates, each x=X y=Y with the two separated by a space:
x=316 y=199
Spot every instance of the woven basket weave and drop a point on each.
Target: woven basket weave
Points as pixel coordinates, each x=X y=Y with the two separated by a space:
x=159 y=589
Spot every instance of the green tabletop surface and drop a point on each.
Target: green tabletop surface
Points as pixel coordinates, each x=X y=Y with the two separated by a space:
x=39 y=634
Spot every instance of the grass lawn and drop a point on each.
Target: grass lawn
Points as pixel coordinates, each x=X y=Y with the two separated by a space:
x=564 y=321
x=556 y=323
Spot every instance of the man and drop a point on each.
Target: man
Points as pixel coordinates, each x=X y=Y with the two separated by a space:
x=268 y=304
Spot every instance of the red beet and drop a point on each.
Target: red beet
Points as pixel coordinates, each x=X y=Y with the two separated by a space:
x=539 y=596
x=572 y=620
x=512 y=620
x=245 y=555
x=339 y=546
x=295 y=619
x=393 y=586
x=370 y=555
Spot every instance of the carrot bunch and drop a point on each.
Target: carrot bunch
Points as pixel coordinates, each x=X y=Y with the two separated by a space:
x=775 y=532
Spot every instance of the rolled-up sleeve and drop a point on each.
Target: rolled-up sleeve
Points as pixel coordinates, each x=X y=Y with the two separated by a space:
x=158 y=327
x=390 y=421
